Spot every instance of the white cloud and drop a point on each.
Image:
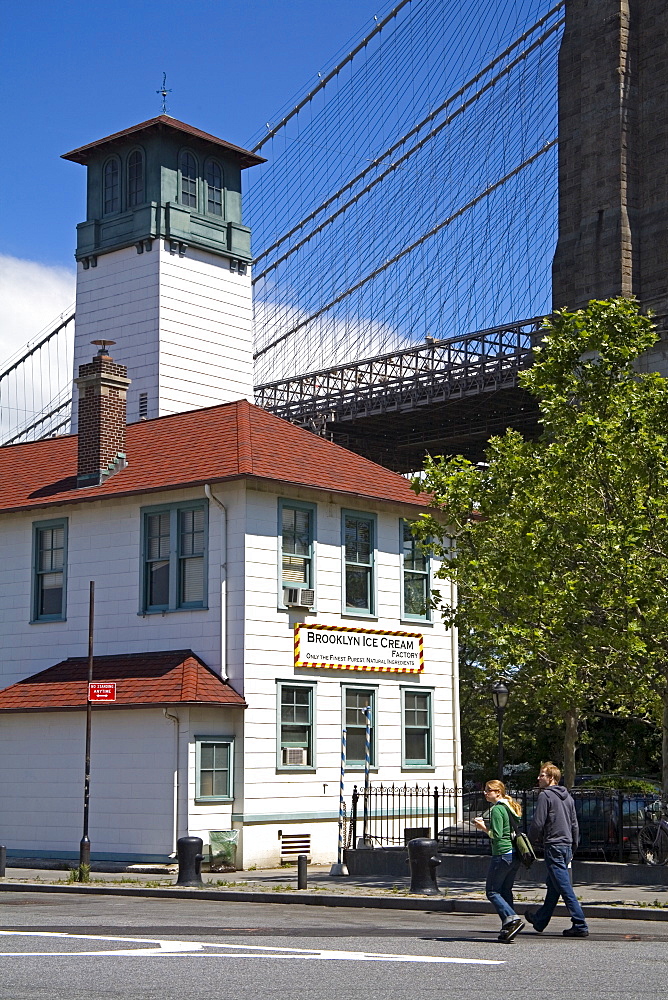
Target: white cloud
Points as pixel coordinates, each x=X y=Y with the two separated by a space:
x=32 y=296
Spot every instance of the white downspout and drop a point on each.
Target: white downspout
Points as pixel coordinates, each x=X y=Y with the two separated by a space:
x=223 y=580
x=456 y=721
x=175 y=808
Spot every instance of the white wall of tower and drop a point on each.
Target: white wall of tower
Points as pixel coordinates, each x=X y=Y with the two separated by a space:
x=182 y=324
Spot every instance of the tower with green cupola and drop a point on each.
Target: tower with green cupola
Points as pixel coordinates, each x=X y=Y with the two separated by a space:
x=163 y=265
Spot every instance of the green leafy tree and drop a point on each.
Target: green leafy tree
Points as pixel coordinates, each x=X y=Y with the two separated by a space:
x=559 y=547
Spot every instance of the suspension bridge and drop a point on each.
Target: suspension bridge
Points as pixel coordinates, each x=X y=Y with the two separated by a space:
x=404 y=225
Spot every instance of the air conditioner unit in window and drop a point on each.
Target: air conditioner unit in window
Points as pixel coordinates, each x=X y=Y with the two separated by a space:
x=298 y=597
x=295 y=756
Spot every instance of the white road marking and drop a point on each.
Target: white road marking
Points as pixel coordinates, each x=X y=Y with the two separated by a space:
x=196 y=949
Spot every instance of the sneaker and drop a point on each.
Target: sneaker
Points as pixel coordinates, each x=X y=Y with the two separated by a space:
x=529 y=917
x=574 y=931
x=511 y=930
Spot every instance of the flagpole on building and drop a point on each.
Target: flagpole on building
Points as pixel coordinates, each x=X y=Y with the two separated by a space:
x=84 y=845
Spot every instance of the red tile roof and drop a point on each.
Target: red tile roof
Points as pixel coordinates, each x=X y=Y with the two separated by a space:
x=142 y=679
x=81 y=155
x=200 y=446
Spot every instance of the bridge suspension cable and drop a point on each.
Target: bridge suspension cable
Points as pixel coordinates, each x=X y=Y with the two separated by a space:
x=409 y=135
x=353 y=257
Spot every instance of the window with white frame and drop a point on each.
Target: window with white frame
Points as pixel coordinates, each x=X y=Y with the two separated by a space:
x=417 y=734
x=296 y=725
x=296 y=526
x=357 y=701
x=174 y=557
x=359 y=550
x=214 y=763
x=49 y=570
x=415 y=580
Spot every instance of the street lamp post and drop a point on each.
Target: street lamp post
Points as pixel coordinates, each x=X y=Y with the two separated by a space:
x=500 y=698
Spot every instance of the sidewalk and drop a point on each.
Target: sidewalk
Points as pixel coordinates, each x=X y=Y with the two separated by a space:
x=280 y=884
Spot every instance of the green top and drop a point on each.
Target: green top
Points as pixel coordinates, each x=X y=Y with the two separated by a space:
x=499 y=829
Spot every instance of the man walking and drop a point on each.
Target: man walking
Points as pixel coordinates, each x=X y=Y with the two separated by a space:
x=554 y=827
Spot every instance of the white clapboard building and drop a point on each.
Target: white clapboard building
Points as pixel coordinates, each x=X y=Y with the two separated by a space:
x=256 y=587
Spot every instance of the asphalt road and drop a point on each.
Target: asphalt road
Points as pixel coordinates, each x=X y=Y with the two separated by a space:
x=85 y=948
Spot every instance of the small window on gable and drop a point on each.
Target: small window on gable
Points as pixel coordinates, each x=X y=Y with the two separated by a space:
x=111 y=198
x=188 y=168
x=136 y=178
x=214 y=188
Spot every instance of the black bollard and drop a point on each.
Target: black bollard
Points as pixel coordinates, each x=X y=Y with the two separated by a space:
x=424 y=860
x=3 y=860
x=189 y=854
x=301 y=871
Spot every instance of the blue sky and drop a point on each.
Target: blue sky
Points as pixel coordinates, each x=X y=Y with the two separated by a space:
x=73 y=71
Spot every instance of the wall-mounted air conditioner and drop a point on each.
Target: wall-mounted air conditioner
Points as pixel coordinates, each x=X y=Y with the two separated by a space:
x=295 y=756
x=298 y=597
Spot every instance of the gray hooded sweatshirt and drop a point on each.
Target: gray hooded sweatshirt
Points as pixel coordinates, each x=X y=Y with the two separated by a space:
x=555 y=820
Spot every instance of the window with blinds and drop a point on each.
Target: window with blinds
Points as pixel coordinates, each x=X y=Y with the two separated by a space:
x=175 y=557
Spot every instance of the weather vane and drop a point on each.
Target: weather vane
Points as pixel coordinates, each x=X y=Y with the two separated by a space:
x=164 y=91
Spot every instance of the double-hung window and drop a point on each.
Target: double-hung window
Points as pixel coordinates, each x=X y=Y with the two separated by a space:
x=359 y=542
x=213 y=766
x=297 y=531
x=296 y=725
x=358 y=702
x=111 y=184
x=415 y=570
x=188 y=168
x=417 y=728
x=135 y=178
x=214 y=188
x=174 y=564
x=49 y=570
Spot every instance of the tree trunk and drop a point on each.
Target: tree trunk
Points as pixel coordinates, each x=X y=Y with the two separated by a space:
x=664 y=746
x=570 y=740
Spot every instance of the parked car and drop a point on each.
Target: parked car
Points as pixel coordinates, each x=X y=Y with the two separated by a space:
x=598 y=819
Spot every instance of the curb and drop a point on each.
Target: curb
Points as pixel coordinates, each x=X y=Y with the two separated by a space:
x=428 y=903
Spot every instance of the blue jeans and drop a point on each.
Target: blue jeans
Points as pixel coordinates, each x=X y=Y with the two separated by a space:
x=499 y=885
x=557 y=860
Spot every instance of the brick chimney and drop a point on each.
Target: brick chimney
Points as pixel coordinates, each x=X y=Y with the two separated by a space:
x=102 y=401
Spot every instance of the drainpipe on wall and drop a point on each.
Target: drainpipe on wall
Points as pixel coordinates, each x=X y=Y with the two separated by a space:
x=456 y=722
x=175 y=807
x=223 y=579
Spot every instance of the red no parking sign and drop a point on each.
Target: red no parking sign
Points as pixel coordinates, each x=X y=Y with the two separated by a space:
x=102 y=691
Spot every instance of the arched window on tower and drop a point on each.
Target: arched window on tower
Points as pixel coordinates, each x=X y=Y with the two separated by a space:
x=111 y=199
x=136 y=178
x=214 y=188
x=188 y=167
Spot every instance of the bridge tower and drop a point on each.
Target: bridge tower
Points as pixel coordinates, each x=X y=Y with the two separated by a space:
x=163 y=266
x=613 y=156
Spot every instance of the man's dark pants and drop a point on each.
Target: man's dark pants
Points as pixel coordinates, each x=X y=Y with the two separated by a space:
x=557 y=860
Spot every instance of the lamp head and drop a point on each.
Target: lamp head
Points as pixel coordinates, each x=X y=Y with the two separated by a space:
x=500 y=695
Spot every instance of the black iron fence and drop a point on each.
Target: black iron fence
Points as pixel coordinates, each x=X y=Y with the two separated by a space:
x=391 y=815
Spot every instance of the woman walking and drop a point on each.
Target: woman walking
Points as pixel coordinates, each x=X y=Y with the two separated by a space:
x=505 y=861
